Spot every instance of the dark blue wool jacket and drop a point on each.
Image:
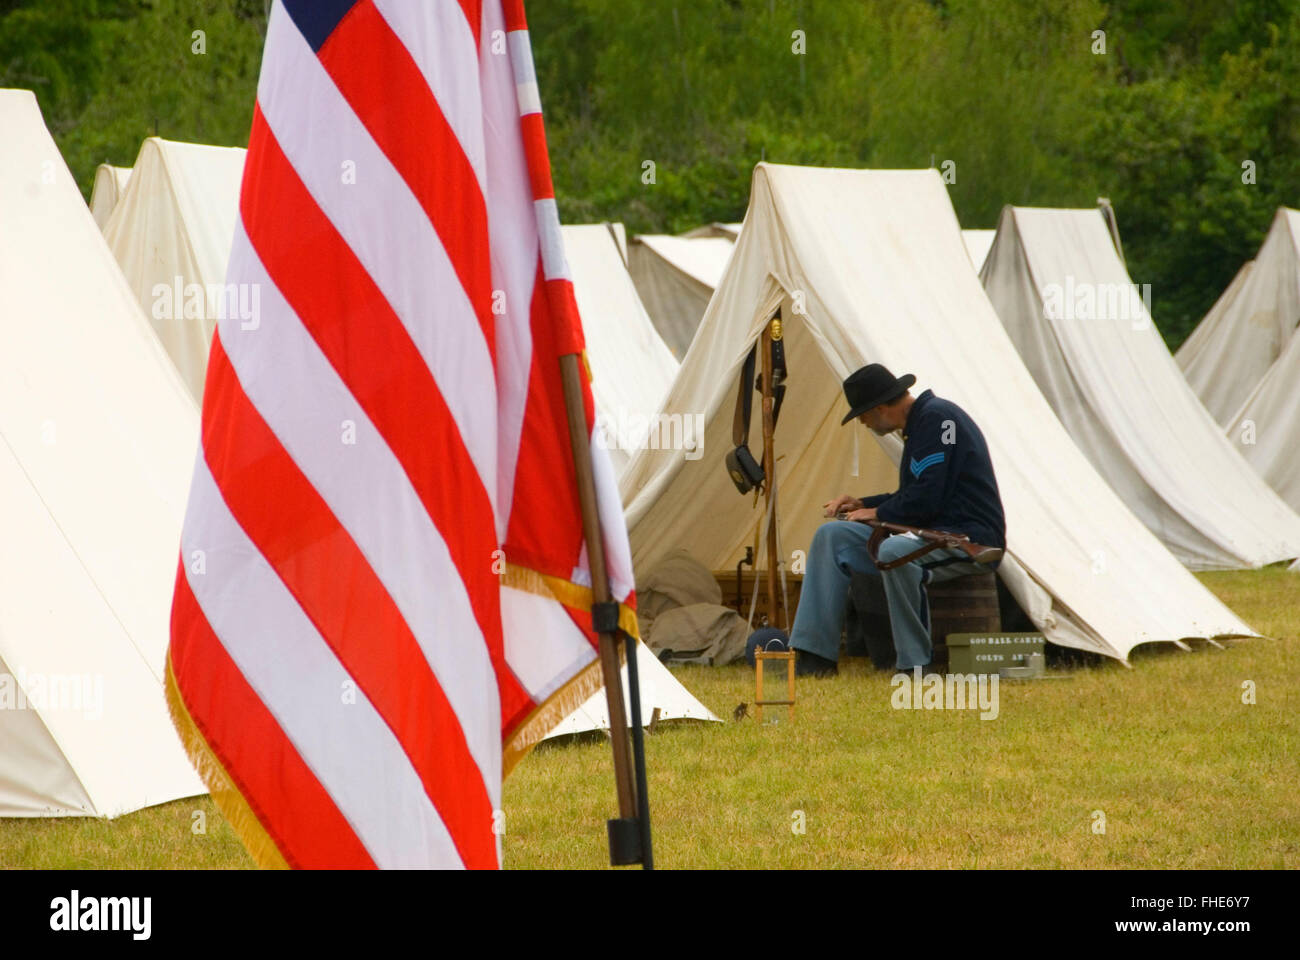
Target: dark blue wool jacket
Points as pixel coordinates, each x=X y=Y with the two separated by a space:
x=945 y=479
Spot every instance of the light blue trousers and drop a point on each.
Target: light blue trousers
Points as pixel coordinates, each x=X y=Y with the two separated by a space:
x=838 y=551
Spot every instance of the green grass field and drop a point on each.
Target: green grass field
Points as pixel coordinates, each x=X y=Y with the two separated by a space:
x=1184 y=773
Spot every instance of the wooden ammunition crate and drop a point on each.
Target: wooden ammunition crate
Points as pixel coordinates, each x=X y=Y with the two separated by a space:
x=989 y=652
x=727 y=581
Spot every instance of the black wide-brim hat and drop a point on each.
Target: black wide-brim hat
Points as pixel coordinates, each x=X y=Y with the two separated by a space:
x=870 y=387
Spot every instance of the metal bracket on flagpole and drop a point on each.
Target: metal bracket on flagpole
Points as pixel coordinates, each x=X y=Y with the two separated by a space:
x=629 y=837
x=604 y=617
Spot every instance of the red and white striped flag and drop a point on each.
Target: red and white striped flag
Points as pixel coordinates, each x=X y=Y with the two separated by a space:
x=383 y=599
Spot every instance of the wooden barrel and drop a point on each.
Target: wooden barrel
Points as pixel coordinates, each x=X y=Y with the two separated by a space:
x=964 y=605
x=727 y=583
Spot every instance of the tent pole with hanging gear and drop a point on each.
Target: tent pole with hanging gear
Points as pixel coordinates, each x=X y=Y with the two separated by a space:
x=629 y=835
x=771 y=338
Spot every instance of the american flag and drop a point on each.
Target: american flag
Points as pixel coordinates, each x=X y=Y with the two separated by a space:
x=383 y=598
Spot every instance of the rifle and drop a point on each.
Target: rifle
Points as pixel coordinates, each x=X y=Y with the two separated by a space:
x=933 y=540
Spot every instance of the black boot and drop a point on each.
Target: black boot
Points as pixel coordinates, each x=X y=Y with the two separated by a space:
x=810 y=665
x=926 y=670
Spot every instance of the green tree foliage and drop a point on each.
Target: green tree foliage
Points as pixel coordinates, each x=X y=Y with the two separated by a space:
x=1014 y=97
x=1189 y=109
x=109 y=73
x=706 y=90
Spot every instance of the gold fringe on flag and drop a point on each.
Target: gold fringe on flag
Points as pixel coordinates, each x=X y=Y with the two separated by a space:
x=579 y=689
x=228 y=798
x=235 y=808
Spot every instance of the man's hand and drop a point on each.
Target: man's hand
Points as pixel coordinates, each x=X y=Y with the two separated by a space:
x=861 y=516
x=841 y=503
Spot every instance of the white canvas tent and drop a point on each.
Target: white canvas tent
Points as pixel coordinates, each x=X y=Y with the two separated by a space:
x=660 y=690
x=171 y=229
x=631 y=368
x=728 y=231
x=1267 y=427
x=1244 y=358
x=675 y=277
x=879 y=260
x=1249 y=326
x=1085 y=335
x=978 y=243
x=110 y=184
x=97 y=442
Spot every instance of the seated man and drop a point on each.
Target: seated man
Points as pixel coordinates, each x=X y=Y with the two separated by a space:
x=946 y=482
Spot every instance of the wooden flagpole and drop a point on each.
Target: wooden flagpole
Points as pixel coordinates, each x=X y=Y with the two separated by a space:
x=630 y=835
